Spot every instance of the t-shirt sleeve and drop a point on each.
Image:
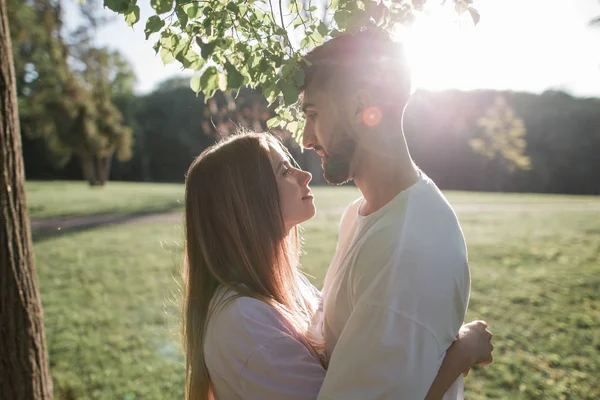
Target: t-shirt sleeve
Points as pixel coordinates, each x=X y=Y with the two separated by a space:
x=260 y=355
x=381 y=354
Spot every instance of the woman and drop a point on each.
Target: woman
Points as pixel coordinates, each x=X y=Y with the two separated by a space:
x=248 y=311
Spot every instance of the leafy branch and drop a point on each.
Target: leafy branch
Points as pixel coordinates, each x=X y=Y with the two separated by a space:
x=238 y=43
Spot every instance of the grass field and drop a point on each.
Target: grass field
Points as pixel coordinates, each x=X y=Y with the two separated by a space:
x=110 y=294
x=71 y=199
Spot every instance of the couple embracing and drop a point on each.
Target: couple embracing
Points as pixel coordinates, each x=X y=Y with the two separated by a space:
x=388 y=323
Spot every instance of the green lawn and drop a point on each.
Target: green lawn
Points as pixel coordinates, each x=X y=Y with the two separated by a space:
x=110 y=294
x=71 y=199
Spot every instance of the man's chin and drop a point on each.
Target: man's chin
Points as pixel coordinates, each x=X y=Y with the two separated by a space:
x=335 y=173
x=336 y=180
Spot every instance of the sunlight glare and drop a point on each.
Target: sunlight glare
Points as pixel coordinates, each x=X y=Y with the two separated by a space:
x=440 y=50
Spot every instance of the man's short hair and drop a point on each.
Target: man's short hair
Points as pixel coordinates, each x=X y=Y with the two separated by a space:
x=366 y=59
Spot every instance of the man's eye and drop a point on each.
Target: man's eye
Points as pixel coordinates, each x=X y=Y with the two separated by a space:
x=311 y=116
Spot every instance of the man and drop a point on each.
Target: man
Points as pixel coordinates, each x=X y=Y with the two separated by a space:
x=397 y=290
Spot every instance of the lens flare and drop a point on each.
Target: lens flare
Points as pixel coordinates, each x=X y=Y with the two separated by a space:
x=371 y=116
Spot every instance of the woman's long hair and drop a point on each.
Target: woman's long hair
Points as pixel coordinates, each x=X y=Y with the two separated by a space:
x=236 y=240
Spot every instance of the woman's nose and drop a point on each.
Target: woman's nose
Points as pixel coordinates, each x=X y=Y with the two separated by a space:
x=305 y=177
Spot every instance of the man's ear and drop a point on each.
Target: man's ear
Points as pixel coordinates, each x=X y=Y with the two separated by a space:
x=362 y=100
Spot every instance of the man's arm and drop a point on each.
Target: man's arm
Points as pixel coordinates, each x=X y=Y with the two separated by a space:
x=473 y=346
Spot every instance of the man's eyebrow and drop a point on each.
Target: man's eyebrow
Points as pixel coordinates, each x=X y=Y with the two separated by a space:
x=307 y=105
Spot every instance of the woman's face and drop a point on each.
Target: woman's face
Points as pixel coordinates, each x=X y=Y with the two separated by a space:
x=297 y=202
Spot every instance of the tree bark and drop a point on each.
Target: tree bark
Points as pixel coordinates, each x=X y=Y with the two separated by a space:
x=24 y=371
x=103 y=168
x=88 y=168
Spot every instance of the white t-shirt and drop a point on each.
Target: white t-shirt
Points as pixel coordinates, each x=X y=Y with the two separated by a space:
x=395 y=297
x=253 y=353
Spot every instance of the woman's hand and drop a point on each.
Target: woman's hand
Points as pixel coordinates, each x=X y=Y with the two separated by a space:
x=474 y=341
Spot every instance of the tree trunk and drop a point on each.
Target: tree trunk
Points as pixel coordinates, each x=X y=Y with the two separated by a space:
x=88 y=168
x=103 y=168
x=24 y=371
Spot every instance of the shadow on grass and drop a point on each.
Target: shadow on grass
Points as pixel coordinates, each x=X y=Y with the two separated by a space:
x=53 y=227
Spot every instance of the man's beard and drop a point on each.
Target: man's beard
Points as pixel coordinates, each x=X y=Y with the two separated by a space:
x=336 y=164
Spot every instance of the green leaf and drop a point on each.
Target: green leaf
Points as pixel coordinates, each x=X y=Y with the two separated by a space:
x=293 y=7
x=290 y=92
x=285 y=114
x=181 y=16
x=271 y=93
x=231 y=6
x=279 y=31
x=297 y=134
x=234 y=78
x=253 y=61
x=181 y=48
x=285 y=69
x=341 y=19
x=162 y=6
x=169 y=39
x=299 y=77
x=209 y=82
x=156 y=47
x=195 y=84
x=273 y=122
x=316 y=38
x=322 y=29
x=119 y=6
x=206 y=49
x=153 y=25
x=297 y=22
x=166 y=55
x=192 y=10
x=191 y=59
x=132 y=15
x=207 y=24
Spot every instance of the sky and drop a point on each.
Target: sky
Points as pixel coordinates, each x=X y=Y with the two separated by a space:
x=521 y=45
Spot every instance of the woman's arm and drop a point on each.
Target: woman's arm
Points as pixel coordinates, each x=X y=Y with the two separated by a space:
x=473 y=346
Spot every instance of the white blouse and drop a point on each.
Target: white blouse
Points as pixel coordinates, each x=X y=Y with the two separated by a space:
x=252 y=352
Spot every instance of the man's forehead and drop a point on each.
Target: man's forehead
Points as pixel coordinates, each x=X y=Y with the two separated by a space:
x=311 y=98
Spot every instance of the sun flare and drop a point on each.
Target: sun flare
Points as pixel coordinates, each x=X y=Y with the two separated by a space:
x=440 y=49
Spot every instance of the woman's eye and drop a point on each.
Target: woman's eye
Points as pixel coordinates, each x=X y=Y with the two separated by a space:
x=287 y=171
x=311 y=117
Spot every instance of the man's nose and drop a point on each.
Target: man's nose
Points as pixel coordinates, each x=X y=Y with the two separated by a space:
x=308 y=137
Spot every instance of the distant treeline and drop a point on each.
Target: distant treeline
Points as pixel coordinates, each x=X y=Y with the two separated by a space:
x=562 y=141
x=481 y=140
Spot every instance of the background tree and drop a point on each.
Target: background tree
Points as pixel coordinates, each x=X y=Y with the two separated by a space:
x=500 y=137
x=24 y=371
x=66 y=88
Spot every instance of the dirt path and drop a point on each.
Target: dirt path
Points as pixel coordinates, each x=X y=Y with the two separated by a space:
x=91 y=221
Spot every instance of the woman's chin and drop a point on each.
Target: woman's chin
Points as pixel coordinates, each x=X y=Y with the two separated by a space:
x=311 y=211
